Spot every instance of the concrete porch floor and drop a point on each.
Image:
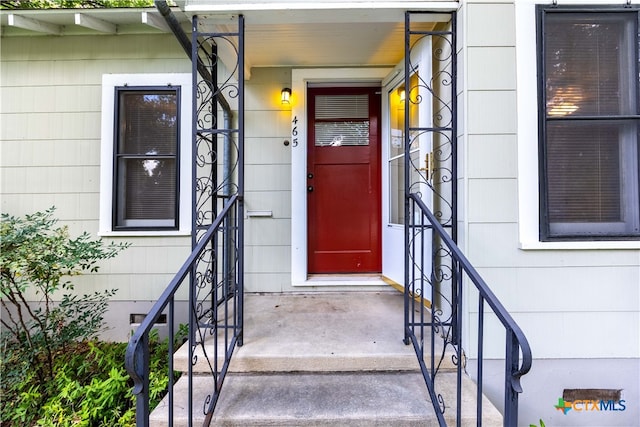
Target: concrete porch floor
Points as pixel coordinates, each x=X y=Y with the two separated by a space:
x=335 y=331
x=329 y=331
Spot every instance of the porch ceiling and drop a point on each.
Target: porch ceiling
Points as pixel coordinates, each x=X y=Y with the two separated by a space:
x=326 y=44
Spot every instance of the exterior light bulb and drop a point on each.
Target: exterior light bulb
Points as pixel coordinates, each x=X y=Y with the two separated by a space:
x=285 y=95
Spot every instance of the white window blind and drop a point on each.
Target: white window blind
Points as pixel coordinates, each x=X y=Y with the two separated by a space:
x=341 y=120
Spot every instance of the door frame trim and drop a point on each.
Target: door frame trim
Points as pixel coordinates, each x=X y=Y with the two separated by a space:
x=300 y=79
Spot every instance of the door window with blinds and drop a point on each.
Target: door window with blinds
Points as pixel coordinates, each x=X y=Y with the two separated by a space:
x=589 y=123
x=146 y=158
x=341 y=120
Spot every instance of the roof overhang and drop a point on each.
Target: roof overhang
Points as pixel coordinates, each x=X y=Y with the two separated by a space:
x=287 y=33
x=82 y=22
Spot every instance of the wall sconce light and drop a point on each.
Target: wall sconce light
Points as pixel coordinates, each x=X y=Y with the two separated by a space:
x=285 y=96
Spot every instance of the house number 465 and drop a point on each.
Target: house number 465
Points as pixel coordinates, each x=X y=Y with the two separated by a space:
x=294 y=132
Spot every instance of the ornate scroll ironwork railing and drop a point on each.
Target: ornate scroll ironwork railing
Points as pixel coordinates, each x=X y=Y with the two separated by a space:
x=219 y=326
x=213 y=273
x=437 y=333
x=437 y=274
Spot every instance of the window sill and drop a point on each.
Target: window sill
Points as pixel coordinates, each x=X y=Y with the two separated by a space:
x=143 y=233
x=591 y=245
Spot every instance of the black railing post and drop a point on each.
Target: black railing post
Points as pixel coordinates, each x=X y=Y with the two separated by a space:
x=195 y=219
x=480 y=365
x=512 y=384
x=240 y=207
x=454 y=127
x=457 y=283
x=142 y=367
x=172 y=334
x=407 y=214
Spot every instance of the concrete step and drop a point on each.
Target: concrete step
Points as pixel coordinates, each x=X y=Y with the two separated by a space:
x=322 y=359
x=324 y=399
x=320 y=332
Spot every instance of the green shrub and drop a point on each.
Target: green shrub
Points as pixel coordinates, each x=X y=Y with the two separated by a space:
x=37 y=258
x=90 y=388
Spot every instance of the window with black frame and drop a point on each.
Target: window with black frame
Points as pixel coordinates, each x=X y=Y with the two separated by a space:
x=146 y=158
x=589 y=113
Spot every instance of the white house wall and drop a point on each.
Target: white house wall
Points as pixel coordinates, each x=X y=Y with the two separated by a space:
x=579 y=305
x=50 y=150
x=550 y=286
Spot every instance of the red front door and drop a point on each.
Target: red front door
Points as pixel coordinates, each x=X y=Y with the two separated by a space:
x=343 y=180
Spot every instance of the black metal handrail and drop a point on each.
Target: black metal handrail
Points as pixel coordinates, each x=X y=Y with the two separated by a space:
x=137 y=353
x=448 y=264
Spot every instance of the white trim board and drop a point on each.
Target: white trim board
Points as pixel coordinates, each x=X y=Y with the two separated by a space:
x=109 y=82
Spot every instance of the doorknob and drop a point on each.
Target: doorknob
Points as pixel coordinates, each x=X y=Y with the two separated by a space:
x=310 y=188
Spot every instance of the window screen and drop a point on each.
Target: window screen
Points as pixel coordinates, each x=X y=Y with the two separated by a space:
x=146 y=158
x=589 y=124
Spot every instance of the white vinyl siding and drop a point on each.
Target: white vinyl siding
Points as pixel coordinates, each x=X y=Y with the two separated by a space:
x=50 y=145
x=538 y=282
x=268 y=182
